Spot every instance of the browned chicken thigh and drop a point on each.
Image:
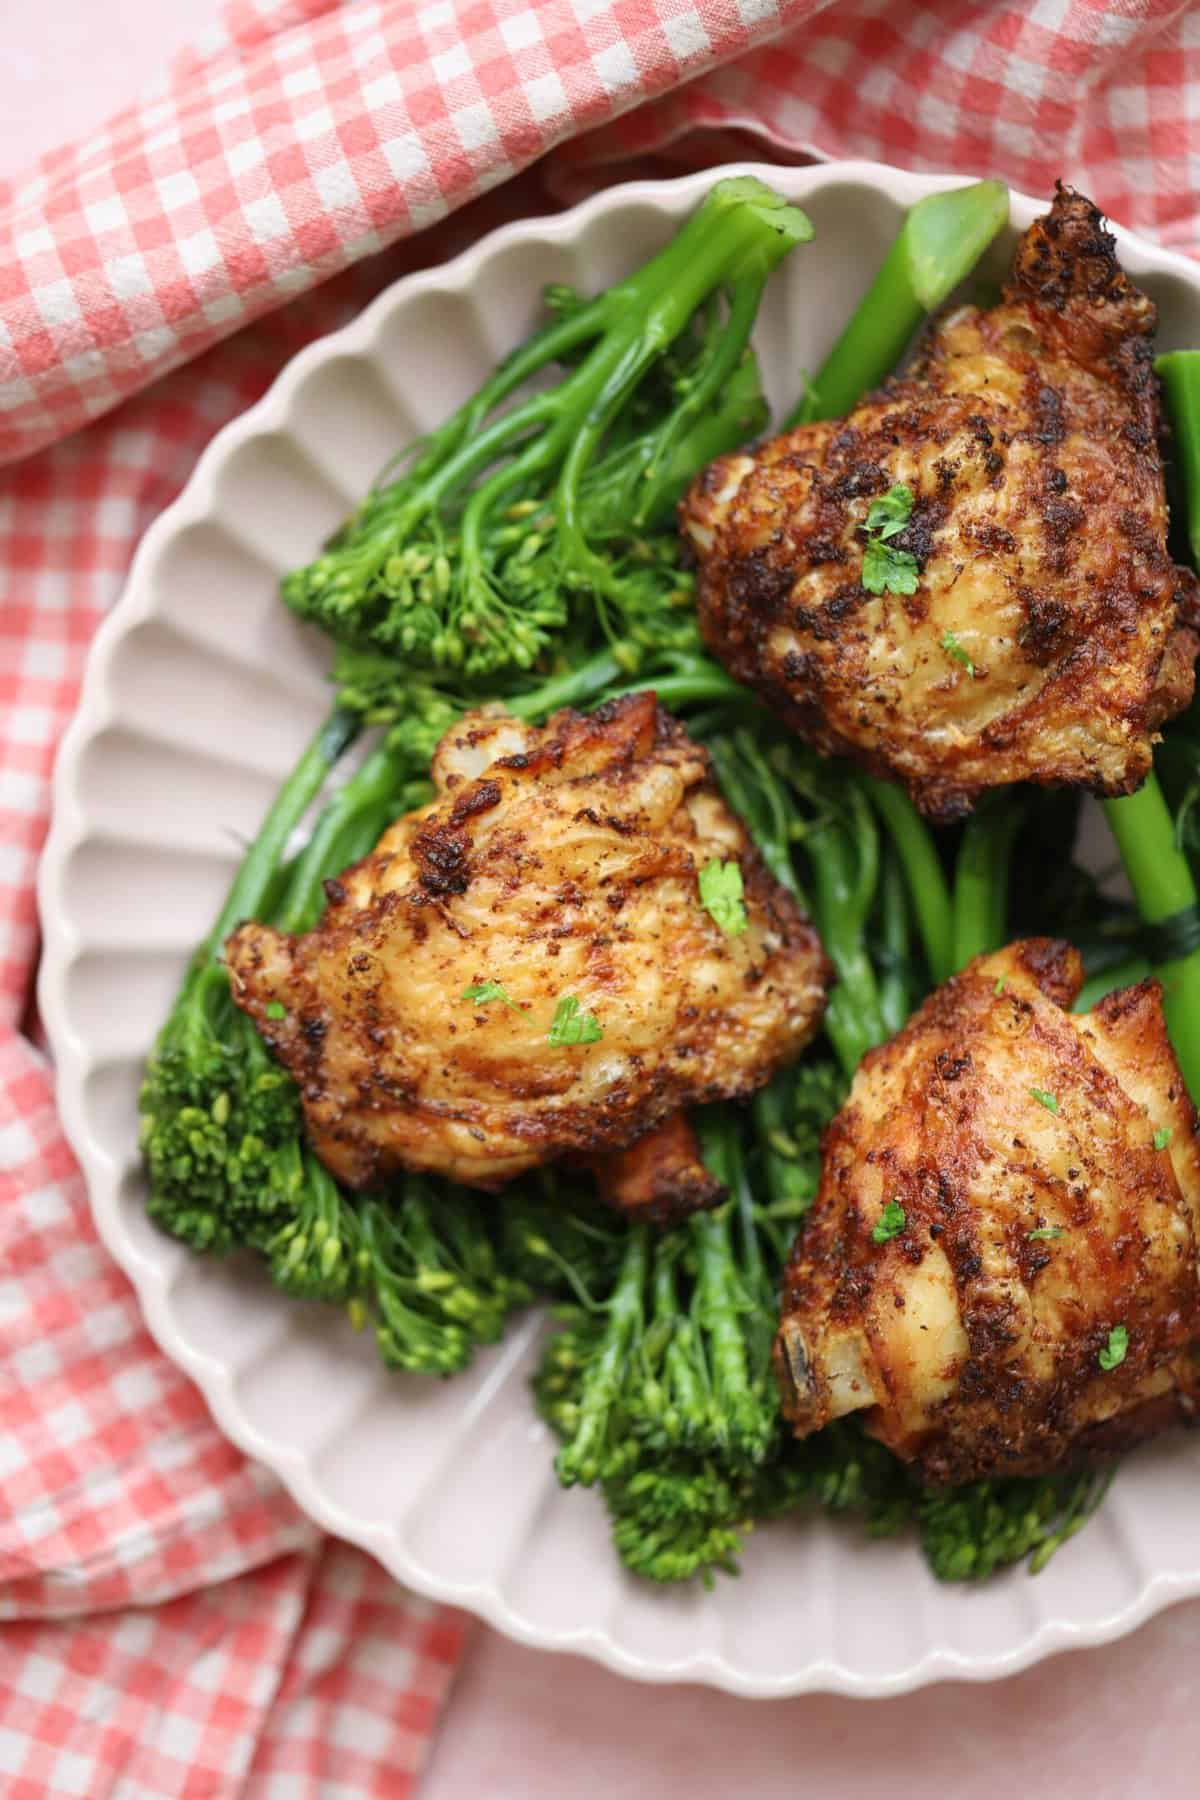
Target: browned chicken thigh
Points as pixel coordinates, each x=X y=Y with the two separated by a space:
x=525 y=969
x=1046 y=635
x=1000 y=1268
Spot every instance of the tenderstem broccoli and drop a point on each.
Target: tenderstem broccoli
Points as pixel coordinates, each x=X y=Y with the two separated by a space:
x=1142 y=825
x=661 y=1390
x=521 y=509
x=800 y=809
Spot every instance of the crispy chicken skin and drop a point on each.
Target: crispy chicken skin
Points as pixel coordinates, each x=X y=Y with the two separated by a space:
x=559 y=861
x=1019 y=1140
x=1027 y=435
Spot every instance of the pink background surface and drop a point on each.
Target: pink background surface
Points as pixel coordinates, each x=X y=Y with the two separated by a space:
x=1120 y=1723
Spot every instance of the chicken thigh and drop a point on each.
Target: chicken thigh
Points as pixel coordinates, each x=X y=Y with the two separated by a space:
x=1009 y=612
x=526 y=969
x=1000 y=1267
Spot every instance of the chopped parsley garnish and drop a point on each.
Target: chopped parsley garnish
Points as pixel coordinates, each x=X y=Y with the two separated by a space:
x=1113 y=1353
x=275 y=1009
x=1162 y=1137
x=952 y=647
x=573 y=1026
x=888 y=571
x=891 y=512
x=890 y=1223
x=1044 y=1099
x=482 y=992
x=1045 y=1233
x=721 y=894
x=1001 y=984
x=885 y=568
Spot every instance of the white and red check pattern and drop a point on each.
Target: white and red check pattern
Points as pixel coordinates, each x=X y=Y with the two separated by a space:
x=171 y=1626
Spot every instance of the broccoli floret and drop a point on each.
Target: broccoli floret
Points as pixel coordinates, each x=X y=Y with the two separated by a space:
x=517 y=512
x=967 y=1533
x=561 y=1242
x=427 y=1275
x=660 y=1387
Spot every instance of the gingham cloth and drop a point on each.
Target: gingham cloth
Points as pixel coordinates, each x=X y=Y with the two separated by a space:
x=171 y=1626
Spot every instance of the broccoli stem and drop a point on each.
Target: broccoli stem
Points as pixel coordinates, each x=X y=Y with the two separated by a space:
x=895 y=996
x=642 y=481
x=927 y=885
x=259 y=865
x=981 y=878
x=1141 y=823
x=1163 y=885
x=1179 y=372
x=348 y=828
x=939 y=243
x=647 y=312
x=787 y=1176
x=733 y=1304
x=841 y=851
x=583 y=1458
x=844 y=877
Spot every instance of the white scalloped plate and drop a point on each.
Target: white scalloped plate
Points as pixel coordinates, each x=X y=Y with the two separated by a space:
x=199 y=693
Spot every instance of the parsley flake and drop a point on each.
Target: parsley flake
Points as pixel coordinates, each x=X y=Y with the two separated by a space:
x=890 y=1223
x=1001 y=984
x=573 y=1026
x=886 y=569
x=1114 y=1352
x=481 y=992
x=1162 y=1137
x=275 y=1009
x=952 y=647
x=721 y=894
x=1045 y=1233
x=891 y=512
x=1044 y=1099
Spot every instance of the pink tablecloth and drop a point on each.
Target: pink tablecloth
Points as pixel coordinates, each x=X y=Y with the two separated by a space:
x=1121 y=1722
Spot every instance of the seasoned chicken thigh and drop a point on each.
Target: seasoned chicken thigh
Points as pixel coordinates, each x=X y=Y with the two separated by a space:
x=524 y=969
x=1011 y=613
x=1000 y=1267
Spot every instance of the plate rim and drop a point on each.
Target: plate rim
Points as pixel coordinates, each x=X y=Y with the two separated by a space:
x=68 y=827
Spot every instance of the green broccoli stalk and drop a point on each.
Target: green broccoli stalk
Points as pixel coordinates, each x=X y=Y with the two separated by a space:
x=678 y=1356
x=1163 y=886
x=981 y=877
x=891 y=945
x=928 y=891
x=939 y=243
x=1179 y=372
x=793 y=802
x=517 y=510
x=1141 y=823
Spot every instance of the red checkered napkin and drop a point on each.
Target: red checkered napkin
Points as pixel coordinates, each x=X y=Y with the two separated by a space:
x=172 y=1627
